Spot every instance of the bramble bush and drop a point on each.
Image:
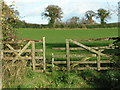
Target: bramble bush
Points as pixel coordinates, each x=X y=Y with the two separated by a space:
x=8 y=19
x=10 y=71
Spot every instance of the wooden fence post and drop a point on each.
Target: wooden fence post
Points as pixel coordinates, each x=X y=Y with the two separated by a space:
x=33 y=54
x=98 y=62
x=52 y=62
x=44 y=58
x=1 y=56
x=68 y=54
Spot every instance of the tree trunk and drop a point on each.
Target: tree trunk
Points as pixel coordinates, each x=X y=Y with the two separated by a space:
x=51 y=22
x=102 y=21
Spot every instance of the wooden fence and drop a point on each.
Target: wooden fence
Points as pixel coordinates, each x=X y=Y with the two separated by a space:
x=96 y=52
x=28 y=51
x=12 y=54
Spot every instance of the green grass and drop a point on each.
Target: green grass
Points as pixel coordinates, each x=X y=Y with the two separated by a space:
x=59 y=79
x=56 y=37
x=56 y=79
x=59 y=35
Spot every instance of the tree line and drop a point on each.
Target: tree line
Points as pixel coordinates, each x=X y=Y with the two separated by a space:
x=54 y=14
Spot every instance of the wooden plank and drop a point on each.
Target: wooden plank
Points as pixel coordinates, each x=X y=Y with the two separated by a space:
x=14 y=53
x=18 y=54
x=38 y=50
x=106 y=61
x=98 y=62
x=60 y=62
x=88 y=48
x=40 y=64
x=52 y=62
x=33 y=54
x=70 y=49
x=27 y=50
x=21 y=41
x=92 y=68
x=68 y=53
x=104 y=68
x=44 y=56
x=83 y=68
x=109 y=68
x=12 y=49
x=24 y=48
x=75 y=55
x=83 y=55
x=1 y=55
x=105 y=47
x=59 y=56
x=82 y=62
x=24 y=58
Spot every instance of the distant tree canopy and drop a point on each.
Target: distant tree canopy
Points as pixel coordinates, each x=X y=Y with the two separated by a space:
x=74 y=20
x=53 y=13
x=103 y=14
x=89 y=15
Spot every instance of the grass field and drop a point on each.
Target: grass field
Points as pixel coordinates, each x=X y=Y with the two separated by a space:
x=56 y=37
x=59 y=35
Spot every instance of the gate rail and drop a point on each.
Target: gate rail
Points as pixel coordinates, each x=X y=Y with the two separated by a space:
x=96 y=50
x=18 y=52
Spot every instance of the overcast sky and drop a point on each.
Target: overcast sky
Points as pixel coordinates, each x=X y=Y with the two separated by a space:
x=30 y=10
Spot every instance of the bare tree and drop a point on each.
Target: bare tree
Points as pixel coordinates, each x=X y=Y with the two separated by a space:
x=74 y=20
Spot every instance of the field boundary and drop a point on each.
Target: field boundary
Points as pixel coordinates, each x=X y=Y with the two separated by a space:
x=68 y=28
x=96 y=52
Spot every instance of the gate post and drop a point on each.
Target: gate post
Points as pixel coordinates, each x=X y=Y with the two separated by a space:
x=33 y=54
x=52 y=62
x=68 y=54
x=98 y=62
x=44 y=56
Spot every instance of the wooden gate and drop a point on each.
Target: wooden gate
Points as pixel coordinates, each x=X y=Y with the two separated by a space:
x=25 y=50
x=95 y=52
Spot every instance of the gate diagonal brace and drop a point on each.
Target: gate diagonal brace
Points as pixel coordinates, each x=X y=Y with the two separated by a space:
x=24 y=48
x=88 y=48
x=14 y=52
x=18 y=54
